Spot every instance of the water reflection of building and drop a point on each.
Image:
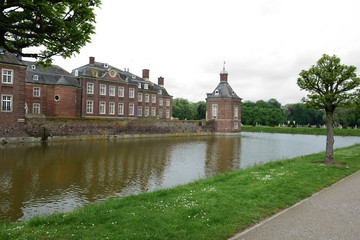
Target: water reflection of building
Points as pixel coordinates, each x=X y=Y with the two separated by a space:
x=222 y=155
x=66 y=175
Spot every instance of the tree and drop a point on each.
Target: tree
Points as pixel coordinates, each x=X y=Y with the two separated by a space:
x=330 y=84
x=62 y=27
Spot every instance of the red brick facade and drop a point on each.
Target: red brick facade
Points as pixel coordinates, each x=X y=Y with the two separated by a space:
x=224 y=106
x=12 y=113
x=53 y=100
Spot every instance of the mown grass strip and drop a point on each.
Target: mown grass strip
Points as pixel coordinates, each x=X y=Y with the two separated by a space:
x=300 y=130
x=214 y=208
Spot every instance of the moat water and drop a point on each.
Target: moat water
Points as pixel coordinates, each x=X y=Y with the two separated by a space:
x=40 y=179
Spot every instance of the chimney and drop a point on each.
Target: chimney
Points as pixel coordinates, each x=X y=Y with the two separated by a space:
x=146 y=74
x=161 y=81
x=92 y=60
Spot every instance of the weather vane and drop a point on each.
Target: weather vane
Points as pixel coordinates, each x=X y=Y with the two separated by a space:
x=224 y=66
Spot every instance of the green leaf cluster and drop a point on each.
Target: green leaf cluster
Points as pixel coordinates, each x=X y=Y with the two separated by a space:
x=60 y=27
x=182 y=109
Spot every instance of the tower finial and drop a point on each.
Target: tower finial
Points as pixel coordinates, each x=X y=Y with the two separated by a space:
x=224 y=66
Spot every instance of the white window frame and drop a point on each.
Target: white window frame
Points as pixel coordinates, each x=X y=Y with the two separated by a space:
x=146 y=113
x=121 y=91
x=90 y=88
x=112 y=91
x=121 y=109
x=7 y=103
x=7 y=76
x=111 y=108
x=236 y=112
x=167 y=113
x=146 y=97
x=89 y=107
x=167 y=102
x=160 y=113
x=36 y=92
x=153 y=98
x=36 y=108
x=236 y=125
x=160 y=101
x=102 y=90
x=102 y=107
x=214 y=110
x=131 y=92
x=139 y=111
x=153 y=111
x=139 y=97
x=131 y=109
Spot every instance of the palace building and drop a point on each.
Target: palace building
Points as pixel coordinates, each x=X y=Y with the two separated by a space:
x=224 y=106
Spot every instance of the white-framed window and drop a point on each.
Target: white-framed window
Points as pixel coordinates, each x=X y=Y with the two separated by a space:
x=112 y=91
x=160 y=91
x=26 y=108
x=146 y=86
x=153 y=111
x=139 y=97
x=214 y=110
x=139 y=85
x=112 y=108
x=36 y=77
x=89 y=107
x=7 y=76
x=160 y=113
x=167 y=113
x=139 y=112
x=102 y=107
x=121 y=91
x=121 y=109
x=102 y=89
x=146 y=114
x=153 y=98
x=36 y=108
x=36 y=92
x=146 y=97
x=131 y=109
x=236 y=112
x=90 y=88
x=131 y=92
x=167 y=102
x=160 y=101
x=236 y=125
x=6 y=103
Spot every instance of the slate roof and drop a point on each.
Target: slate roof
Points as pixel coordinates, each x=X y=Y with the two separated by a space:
x=53 y=75
x=223 y=90
x=6 y=57
x=125 y=76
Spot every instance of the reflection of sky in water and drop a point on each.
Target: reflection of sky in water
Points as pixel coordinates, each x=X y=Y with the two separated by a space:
x=56 y=177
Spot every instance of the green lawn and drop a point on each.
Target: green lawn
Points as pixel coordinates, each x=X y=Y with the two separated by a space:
x=300 y=130
x=214 y=208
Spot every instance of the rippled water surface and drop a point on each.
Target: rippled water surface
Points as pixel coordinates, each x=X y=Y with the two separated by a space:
x=51 y=177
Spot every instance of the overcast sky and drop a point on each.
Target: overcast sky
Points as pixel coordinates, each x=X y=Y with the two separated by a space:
x=265 y=43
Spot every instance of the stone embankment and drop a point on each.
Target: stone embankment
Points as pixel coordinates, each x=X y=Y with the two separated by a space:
x=63 y=129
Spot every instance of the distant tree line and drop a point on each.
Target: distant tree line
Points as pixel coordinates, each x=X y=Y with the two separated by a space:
x=272 y=113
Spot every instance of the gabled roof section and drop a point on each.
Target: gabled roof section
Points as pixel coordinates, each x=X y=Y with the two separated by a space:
x=54 y=75
x=9 y=58
x=223 y=90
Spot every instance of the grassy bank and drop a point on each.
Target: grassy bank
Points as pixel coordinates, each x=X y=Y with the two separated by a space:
x=214 y=208
x=300 y=130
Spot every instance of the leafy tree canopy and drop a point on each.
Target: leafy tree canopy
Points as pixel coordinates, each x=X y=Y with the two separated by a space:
x=62 y=27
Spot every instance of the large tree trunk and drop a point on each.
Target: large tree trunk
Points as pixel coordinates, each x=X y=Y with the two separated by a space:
x=329 y=157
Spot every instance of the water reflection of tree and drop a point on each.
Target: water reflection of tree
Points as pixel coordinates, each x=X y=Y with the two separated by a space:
x=222 y=155
x=97 y=170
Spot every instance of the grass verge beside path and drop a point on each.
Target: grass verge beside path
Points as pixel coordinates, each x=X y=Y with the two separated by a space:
x=214 y=208
x=300 y=130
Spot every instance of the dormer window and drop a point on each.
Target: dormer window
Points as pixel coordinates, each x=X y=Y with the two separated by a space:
x=139 y=85
x=160 y=91
x=33 y=67
x=106 y=65
x=146 y=86
x=36 y=78
x=133 y=76
x=216 y=92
